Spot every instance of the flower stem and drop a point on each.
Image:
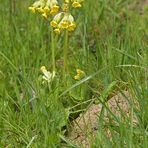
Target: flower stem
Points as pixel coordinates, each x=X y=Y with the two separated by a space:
x=53 y=50
x=65 y=70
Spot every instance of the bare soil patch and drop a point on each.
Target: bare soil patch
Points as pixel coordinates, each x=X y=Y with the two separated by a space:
x=84 y=128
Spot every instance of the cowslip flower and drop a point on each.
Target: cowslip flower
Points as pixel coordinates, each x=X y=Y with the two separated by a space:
x=72 y=26
x=37 y=6
x=45 y=7
x=63 y=20
x=45 y=12
x=57 y=31
x=68 y=22
x=67 y=1
x=32 y=9
x=54 y=23
x=53 y=5
x=47 y=75
x=65 y=7
x=77 y=3
x=80 y=74
x=67 y=19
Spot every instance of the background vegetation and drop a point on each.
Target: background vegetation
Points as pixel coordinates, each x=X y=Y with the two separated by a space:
x=110 y=45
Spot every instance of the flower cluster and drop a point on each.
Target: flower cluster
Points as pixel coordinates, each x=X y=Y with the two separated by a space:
x=59 y=16
x=63 y=20
x=80 y=74
x=47 y=75
x=45 y=8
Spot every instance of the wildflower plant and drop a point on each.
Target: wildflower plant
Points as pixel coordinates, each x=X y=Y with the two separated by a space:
x=80 y=74
x=47 y=75
x=59 y=15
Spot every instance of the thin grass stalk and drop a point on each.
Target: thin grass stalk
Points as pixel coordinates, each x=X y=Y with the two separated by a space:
x=65 y=70
x=53 y=50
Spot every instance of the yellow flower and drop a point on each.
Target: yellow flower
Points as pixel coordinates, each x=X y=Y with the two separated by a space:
x=63 y=20
x=54 y=9
x=76 y=4
x=43 y=69
x=45 y=15
x=57 y=31
x=79 y=71
x=53 y=4
x=56 y=19
x=65 y=7
x=40 y=6
x=66 y=21
x=39 y=3
x=67 y=1
x=80 y=74
x=76 y=77
x=64 y=24
x=32 y=9
x=40 y=10
x=72 y=26
x=46 y=10
x=53 y=23
x=47 y=75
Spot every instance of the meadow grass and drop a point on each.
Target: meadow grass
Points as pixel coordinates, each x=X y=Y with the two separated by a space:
x=110 y=45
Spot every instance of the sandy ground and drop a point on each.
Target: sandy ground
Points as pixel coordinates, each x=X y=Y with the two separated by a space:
x=86 y=125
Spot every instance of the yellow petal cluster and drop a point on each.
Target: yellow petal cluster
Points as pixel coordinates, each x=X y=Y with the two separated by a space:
x=45 y=7
x=77 y=3
x=80 y=74
x=63 y=21
x=47 y=75
x=62 y=18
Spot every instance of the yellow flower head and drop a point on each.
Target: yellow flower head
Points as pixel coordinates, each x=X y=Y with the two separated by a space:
x=46 y=9
x=45 y=15
x=53 y=23
x=66 y=21
x=67 y=1
x=32 y=9
x=79 y=71
x=40 y=7
x=47 y=75
x=65 y=7
x=56 y=19
x=39 y=3
x=43 y=69
x=76 y=77
x=63 y=20
x=76 y=4
x=64 y=24
x=80 y=74
x=40 y=10
x=72 y=26
x=54 y=9
x=57 y=31
x=53 y=4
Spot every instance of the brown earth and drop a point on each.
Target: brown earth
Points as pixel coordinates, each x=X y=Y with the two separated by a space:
x=139 y=5
x=84 y=128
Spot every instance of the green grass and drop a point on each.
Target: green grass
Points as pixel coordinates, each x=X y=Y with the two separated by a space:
x=110 y=45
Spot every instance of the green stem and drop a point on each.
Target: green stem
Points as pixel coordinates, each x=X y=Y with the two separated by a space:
x=65 y=53
x=53 y=50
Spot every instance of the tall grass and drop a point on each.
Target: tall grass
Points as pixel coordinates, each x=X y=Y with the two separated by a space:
x=110 y=44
